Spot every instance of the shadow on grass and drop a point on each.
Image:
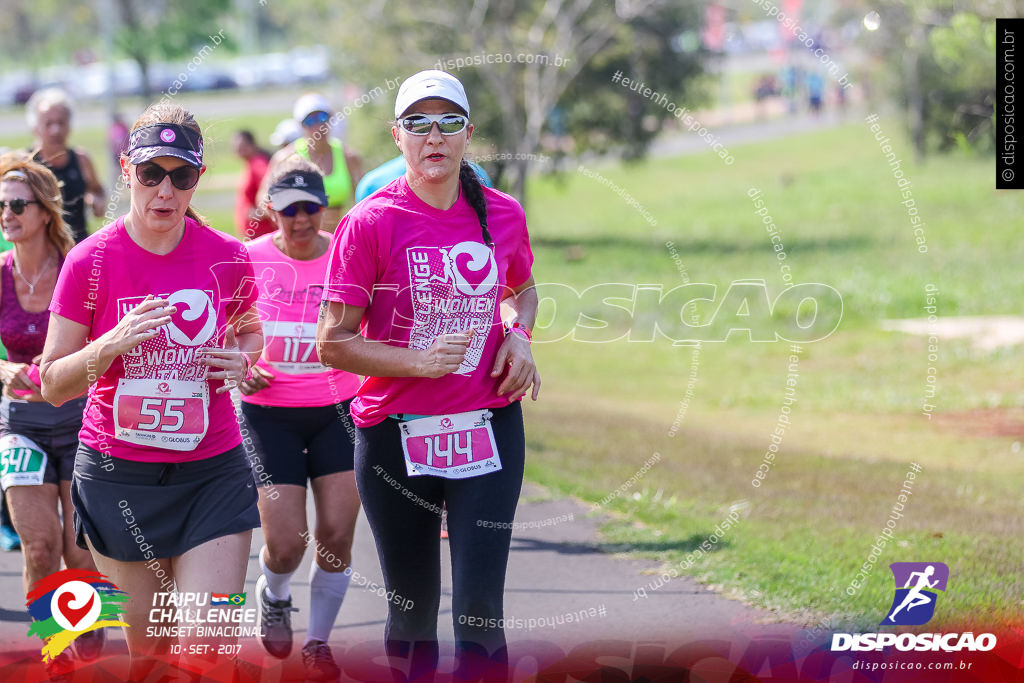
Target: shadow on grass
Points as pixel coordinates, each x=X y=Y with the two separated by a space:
x=668 y=545
x=829 y=244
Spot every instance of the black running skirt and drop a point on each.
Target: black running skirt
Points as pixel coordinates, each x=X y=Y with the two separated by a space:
x=137 y=511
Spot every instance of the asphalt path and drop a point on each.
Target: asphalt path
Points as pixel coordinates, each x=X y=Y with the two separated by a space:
x=556 y=569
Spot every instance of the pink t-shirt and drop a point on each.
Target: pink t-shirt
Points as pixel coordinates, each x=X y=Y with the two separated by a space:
x=290 y=292
x=421 y=272
x=153 y=403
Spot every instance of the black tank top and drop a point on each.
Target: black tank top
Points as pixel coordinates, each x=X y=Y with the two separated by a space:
x=72 y=190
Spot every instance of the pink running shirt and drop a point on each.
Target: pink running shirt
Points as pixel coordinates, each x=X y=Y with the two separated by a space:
x=421 y=272
x=165 y=410
x=290 y=291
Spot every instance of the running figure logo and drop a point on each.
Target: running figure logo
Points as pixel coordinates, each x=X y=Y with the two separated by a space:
x=915 y=598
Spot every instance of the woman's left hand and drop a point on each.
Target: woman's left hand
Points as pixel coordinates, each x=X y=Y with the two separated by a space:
x=230 y=359
x=515 y=355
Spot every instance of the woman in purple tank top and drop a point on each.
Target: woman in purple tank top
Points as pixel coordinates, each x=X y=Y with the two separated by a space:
x=37 y=440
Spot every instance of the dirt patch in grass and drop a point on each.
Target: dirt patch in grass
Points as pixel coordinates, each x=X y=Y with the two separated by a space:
x=983 y=422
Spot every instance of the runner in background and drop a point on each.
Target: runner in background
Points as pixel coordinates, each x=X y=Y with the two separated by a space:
x=48 y=113
x=154 y=316
x=37 y=441
x=287 y=131
x=8 y=536
x=341 y=167
x=250 y=221
x=395 y=169
x=438 y=416
x=298 y=409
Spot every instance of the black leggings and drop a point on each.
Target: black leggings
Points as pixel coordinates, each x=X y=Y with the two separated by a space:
x=404 y=514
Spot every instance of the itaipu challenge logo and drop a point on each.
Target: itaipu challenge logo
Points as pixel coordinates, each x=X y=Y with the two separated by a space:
x=917 y=584
x=68 y=603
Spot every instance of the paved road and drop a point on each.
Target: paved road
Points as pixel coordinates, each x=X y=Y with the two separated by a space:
x=555 y=569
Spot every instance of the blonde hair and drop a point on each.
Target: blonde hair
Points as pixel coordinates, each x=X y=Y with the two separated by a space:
x=168 y=112
x=45 y=99
x=19 y=167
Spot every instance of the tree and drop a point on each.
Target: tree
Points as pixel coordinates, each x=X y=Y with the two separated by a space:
x=941 y=54
x=527 y=55
x=160 y=29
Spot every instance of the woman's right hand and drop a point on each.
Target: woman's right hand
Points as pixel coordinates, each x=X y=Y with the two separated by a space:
x=15 y=377
x=445 y=355
x=140 y=324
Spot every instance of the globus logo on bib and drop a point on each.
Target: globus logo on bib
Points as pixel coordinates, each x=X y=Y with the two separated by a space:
x=916 y=593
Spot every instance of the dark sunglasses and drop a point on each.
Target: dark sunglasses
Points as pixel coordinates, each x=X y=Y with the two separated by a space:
x=152 y=174
x=309 y=208
x=17 y=205
x=420 y=124
x=315 y=118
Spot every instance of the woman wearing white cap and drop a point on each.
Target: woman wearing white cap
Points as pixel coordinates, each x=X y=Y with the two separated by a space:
x=416 y=276
x=342 y=168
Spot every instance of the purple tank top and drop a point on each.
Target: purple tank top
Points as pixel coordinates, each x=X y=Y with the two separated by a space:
x=21 y=332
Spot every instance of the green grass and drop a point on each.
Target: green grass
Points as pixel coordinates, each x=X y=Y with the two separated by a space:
x=857 y=423
x=856 y=426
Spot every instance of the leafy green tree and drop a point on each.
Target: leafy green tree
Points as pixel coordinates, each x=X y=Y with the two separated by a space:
x=520 y=59
x=169 y=29
x=941 y=58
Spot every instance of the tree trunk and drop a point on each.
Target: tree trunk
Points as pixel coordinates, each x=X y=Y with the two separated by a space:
x=915 y=98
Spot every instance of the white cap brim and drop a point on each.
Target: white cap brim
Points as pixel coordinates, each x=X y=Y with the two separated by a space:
x=429 y=84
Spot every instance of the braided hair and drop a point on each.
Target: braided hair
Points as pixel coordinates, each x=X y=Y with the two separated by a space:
x=474 y=194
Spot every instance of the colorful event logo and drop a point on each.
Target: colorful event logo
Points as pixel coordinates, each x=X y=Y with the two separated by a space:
x=68 y=603
x=915 y=598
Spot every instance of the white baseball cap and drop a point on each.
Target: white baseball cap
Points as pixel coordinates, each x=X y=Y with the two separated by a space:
x=427 y=84
x=287 y=131
x=309 y=103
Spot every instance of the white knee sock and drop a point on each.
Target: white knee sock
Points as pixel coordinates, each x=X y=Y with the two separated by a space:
x=326 y=593
x=278 y=585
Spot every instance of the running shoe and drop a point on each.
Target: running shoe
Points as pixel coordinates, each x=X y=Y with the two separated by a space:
x=275 y=621
x=444 y=522
x=319 y=663
x=89 y=645
x=60 y=667
x=9 y=538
